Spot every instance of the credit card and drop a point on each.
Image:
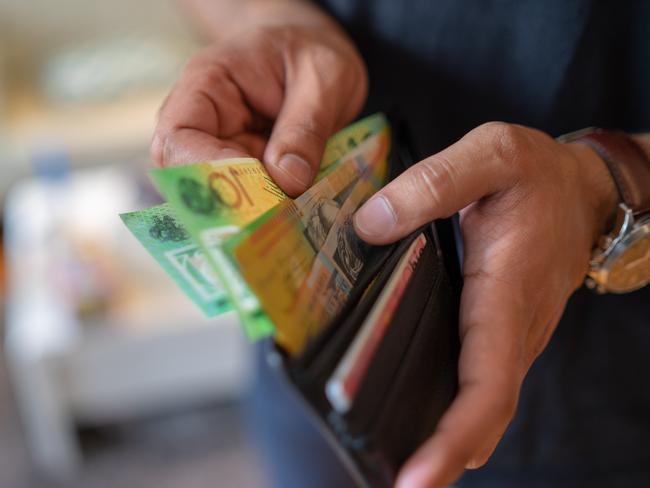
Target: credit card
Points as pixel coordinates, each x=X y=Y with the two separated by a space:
x=344 y=383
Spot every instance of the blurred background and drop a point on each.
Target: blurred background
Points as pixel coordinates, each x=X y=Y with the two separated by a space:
x=109 y=376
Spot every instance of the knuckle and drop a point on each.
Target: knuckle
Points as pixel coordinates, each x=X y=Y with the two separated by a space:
x=208 y=67
x=309 y=132
x=293 y=37
x=329 y=55
x=507 y=143
x=297 y=47
x=208 y=77
x=197 y=63
x=506 y=139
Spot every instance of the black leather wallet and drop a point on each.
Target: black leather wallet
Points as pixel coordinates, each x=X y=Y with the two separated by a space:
x=412 y=376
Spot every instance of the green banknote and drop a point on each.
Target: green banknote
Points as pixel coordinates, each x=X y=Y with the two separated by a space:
x=347 y=139
x=334 y=271
x=276 y=252
x=167 y=240
x=214 y=200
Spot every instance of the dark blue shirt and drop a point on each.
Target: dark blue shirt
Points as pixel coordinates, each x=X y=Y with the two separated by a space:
x=558 y=65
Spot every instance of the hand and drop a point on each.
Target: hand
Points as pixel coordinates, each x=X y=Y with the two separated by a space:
x=275 y=93
x=531 y=211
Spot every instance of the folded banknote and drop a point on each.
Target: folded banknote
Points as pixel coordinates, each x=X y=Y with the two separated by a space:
x=277 y=253
x=231 y=238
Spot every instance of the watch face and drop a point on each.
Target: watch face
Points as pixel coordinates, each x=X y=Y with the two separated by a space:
x=629 y=269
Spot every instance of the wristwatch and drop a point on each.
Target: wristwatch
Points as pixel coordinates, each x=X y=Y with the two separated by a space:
x=621 y=260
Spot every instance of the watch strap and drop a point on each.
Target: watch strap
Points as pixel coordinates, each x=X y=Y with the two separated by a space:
x=627 y=162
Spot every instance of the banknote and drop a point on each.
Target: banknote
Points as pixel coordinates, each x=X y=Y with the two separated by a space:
x=167 y=240
x=334 y=270
x=344 y=383
x=348 y=139
x=226 y=190
x=214 y=200
x=337 y=265
x=276 y=253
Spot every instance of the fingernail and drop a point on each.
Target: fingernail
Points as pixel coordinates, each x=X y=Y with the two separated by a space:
x=375 y=217
x=297 y=168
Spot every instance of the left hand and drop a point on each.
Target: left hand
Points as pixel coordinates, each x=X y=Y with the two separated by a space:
x=531 y=210
x=273 y=92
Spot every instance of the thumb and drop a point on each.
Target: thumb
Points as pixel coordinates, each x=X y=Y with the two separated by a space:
x=308 y=116
x=294 y=151
x=440 y=185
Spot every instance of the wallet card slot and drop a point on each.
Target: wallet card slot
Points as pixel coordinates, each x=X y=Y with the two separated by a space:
x=377 y=260
x=380 y=257
x=320 y=358
x=424 y=387
x=394 y=346
x=380 y=433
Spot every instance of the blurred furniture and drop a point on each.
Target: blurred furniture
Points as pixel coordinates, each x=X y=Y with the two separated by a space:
x=88 y=77
x=91 y=134
x=95 y=332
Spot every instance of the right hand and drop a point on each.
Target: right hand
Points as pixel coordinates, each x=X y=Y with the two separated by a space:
x=274 y=93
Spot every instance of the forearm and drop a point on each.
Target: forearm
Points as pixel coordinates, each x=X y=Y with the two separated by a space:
x=221 y=19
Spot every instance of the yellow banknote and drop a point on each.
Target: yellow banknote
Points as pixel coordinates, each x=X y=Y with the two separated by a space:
x=276 y=256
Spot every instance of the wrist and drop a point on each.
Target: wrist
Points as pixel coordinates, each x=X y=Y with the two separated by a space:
x=628 y=163
x=600 y=188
